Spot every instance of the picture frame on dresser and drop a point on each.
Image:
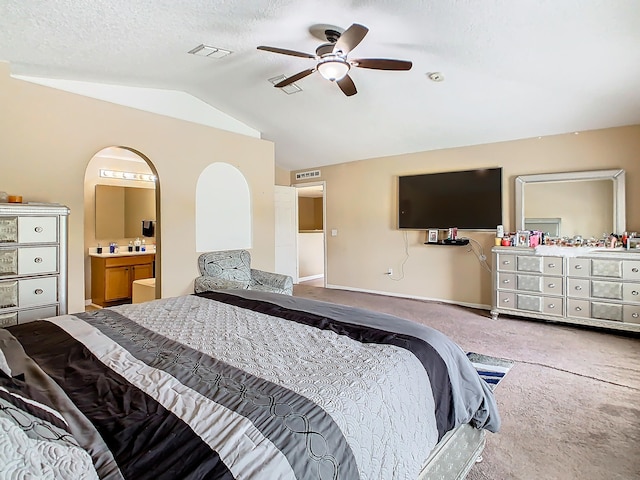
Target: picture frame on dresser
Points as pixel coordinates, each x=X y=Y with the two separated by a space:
x=432 y=236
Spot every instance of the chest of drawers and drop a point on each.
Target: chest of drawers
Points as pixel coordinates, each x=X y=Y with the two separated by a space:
x=599 y=289
x=33 y=262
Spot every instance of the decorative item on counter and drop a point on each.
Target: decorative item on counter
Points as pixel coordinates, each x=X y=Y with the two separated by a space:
x=99 y=249
x=137 y=244
x=453 y=233
x=506 y=241
x=4 y=198
x=14 y=198
x=143 y=246
x=130 y=247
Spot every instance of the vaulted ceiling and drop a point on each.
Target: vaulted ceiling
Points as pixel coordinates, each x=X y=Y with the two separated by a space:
x=511 y=69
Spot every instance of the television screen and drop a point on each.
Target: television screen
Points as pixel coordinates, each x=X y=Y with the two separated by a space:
x=468 y=200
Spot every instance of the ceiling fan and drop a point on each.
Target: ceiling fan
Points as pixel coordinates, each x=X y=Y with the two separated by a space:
x=332 y=61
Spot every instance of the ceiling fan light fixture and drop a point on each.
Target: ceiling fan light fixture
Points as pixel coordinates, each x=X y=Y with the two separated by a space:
x=333 y=68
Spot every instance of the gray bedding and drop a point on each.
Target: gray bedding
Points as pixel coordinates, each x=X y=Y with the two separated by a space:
x=247 y=384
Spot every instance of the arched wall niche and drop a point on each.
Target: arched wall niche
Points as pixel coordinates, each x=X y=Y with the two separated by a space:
x=123 y=159
x=223 y=209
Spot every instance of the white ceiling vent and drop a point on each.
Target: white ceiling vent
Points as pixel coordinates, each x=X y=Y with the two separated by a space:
x=307 y=175
x=208 y=51
x=288 y=89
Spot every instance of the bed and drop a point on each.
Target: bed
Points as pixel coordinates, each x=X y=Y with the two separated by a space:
x=238 y=384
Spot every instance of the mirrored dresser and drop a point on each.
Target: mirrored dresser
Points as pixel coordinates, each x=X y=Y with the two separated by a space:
x=599 y=288
x=33 y=261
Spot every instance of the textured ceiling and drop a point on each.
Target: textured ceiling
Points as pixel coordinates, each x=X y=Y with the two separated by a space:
x=512 y=69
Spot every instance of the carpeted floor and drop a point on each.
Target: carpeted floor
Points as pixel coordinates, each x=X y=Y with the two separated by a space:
x=570 y=405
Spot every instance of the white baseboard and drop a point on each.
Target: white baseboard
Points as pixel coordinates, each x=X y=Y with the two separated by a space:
x=311 y=277
x=413 y=297
x=87 y=301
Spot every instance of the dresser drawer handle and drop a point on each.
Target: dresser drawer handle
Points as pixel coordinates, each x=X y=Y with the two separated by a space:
x=506 y=300
x=506 y=262
x=506 y=281
x=38 y=291
x=578 y=267
x=552 y=265
x=38 y=259
x=39 y=229
x=634 y=292
x=552 y=305
x=635 y=314
x=634 y=269
x=578 y=309
x=552 y=285
x=578 y=287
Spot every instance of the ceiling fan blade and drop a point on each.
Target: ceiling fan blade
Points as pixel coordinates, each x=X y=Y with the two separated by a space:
x=382 y=63
x=284 y=51
x=347 y=86
x=350 y=38
x=294 y=78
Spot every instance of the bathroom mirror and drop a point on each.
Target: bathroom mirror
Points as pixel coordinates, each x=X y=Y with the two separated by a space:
x=120 y=211
x=588 y=203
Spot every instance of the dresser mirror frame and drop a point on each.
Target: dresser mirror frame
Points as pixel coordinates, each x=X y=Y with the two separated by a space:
x=618 y=216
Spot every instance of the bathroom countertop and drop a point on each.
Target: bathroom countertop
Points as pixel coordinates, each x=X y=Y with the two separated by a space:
x=92 y=253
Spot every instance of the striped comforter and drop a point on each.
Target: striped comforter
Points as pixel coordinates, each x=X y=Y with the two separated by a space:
x=238 y=385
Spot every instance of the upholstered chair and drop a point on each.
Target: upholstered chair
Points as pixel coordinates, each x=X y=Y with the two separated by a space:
x=232 y=269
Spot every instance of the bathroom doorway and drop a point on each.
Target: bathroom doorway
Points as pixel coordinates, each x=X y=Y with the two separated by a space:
x=122 y=207
x=311 y=234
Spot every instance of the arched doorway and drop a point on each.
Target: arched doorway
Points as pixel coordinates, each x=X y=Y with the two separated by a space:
x=121 y=204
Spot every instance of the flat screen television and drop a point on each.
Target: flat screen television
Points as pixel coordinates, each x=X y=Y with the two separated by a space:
x=468 y=200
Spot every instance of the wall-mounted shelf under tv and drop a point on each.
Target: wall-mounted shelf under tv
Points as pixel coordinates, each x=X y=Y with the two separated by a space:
x=452 y=242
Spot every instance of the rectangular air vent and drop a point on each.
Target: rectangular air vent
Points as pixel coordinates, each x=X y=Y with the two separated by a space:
x=288 y=89
x=209 y=51
x=307 y=175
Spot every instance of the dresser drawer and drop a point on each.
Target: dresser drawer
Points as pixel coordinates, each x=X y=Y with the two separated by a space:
x=8 y=319
x=578 y=308
x=530 y=263
x=8 y=294
x=530 y=303
x=606 y=311
x=606 y=268
x=631 y=313
x=579 y=267
x=578 y=287
x=631 y=270
x=8 y=261
x=506 y=281
x=552 y=306
x=506 y=300
x=506 y=262
x=552 y=265
x=529 y=283
x=36 y=260
x=631 y=292
x=25 y=316
x=608 y=290
x=37 y=291
x=37 y=229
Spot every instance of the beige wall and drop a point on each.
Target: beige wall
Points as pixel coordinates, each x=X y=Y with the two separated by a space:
x=361 y=200
x=309 y=213
x=283 y=176
x=48 y=137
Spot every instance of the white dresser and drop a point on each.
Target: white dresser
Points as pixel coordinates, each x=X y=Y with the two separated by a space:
x=600 y=288
x=33 y=261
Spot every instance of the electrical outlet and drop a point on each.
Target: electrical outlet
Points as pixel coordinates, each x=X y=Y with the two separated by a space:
x=390 y=271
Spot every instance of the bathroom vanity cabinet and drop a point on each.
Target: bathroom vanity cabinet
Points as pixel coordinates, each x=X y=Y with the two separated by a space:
x=112 y=276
